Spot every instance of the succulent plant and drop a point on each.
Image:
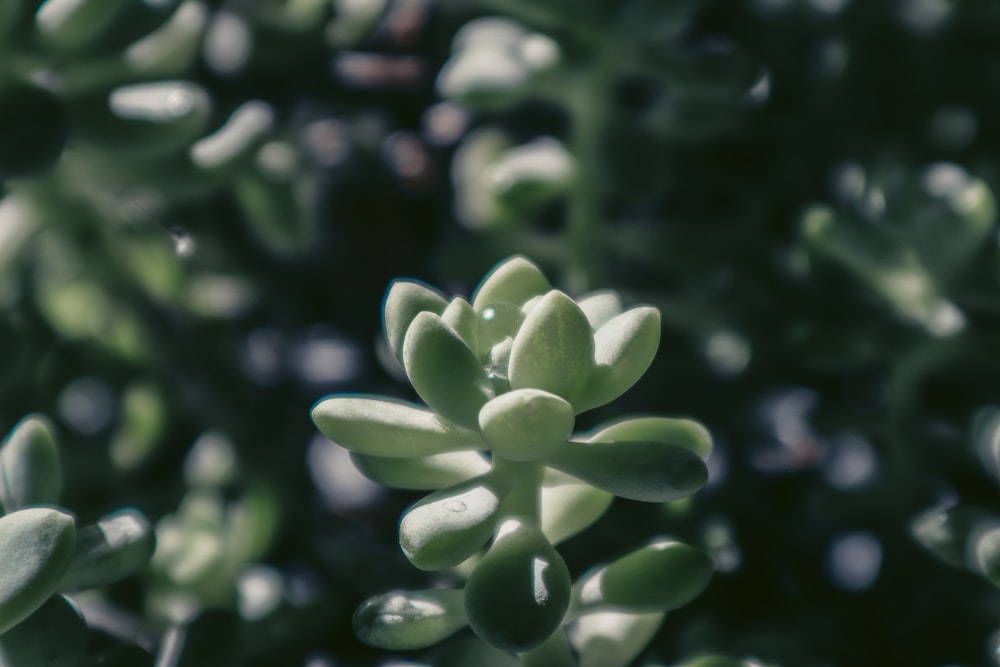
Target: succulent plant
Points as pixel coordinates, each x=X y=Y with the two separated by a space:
x=504 y=376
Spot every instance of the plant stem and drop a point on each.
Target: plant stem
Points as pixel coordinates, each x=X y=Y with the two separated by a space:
x=523 y=502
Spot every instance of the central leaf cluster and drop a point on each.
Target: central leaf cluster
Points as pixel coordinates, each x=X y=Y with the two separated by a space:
x=503 y=377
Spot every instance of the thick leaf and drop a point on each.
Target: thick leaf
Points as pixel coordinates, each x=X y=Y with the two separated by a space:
x=569 y=506
x=404 y=300
x=887 y=266
x=686 y=433
x=400 y=621
x=646 y=471
x=945 y=532
x=659 y=577
x=987 y=552
x=613 y=638
x=36 y=545
x=600 y=307
x=425 y=473
x=986 y=438
x=119 y=544
x=513 y=281
x=69 y=25
x=54 y=636
x=382 y=427
x=526 y=424
x=143 y=120
x=443 y=370
x=554 y=349
x=517 y=595
x=624 y=348
x=460 y=316
x=449 y=526
x=30 y=470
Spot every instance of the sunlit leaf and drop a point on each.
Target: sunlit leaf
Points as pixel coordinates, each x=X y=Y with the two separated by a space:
x=394 y=429
x=30 y=469
x=400 y=621
x=646 y=471
x=443 y=370
x=36 y=545
x=554 y=349
x=518 y=593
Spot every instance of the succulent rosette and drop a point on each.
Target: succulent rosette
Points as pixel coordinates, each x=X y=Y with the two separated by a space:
x=45 y=553
x=503 y=377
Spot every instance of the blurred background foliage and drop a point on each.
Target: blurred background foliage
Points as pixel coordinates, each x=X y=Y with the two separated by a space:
x=201 y=203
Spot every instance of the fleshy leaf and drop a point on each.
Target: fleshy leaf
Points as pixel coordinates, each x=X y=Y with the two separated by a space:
x=443 y=370
x=660 y=576
x=460 y=316
x=36 y=545
x=30 y=466
x=624 y=348
x=987 y=551
x=55 y=635
x=526 y=424
x=986 y=438
x=887 y=266
x=449 y=526
x=610 y=638
x=637 y=470
x=69 y=25
x=554 y=349
x=945 y=531
x=404 y=300
x=687 y=433
x=600 y=307
x=401 y=621
x=119 y=544
x=517 y=595
x=514 y=281
x=569 y=506
x=435 y=471
x=382 y=427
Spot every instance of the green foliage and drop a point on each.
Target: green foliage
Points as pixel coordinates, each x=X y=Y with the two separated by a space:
x=46 y=551
x=517 y=594
x=200 y=202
